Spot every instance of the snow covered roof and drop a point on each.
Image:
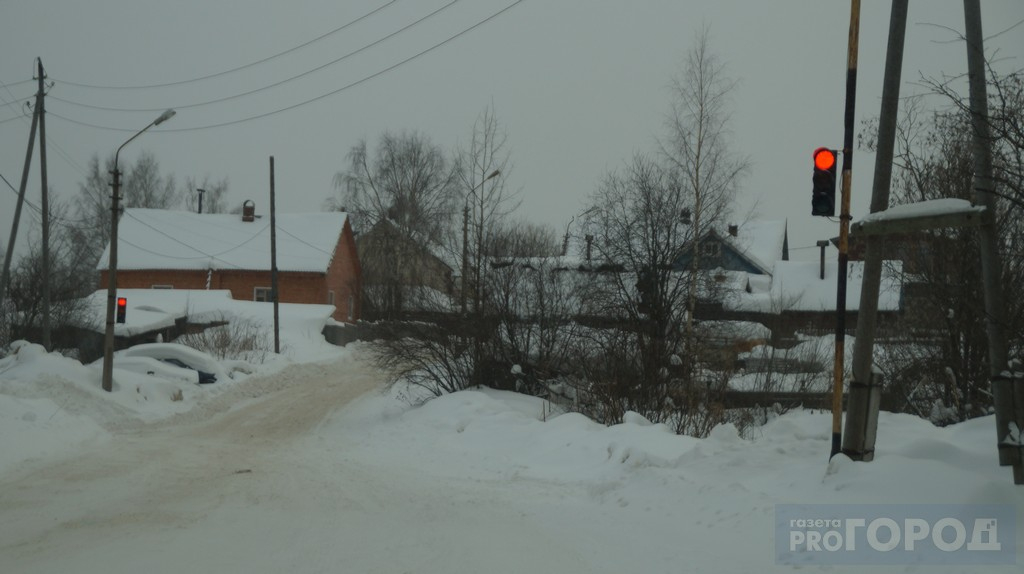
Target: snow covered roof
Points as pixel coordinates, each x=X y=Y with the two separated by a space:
x=797 y=286
x=162 y=239
x=760 y=241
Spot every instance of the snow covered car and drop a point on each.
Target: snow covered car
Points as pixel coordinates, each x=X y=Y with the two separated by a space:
x=205 y=378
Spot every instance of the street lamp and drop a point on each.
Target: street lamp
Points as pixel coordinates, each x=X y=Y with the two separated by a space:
x=108 y=339
x=465 y=239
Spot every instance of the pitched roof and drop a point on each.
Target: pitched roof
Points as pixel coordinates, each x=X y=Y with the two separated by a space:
x=761 y=242
x=162 y=239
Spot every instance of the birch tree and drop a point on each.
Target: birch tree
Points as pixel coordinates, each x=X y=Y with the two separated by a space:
x=698 y=146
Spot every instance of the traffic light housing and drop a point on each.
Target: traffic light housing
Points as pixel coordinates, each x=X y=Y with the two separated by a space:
x=823 y=196
x=122 y=308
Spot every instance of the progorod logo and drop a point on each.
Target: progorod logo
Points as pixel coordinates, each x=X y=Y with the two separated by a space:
x=894 y=534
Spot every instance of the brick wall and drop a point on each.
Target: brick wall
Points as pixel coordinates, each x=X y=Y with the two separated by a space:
x=342 y=278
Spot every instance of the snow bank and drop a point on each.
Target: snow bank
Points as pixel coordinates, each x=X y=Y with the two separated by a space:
x=487 y=434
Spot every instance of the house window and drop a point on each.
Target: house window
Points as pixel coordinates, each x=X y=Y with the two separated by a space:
x=162 y=287
x=262 y=294
x=351 y=307
x=710 y=249
x=330 y=297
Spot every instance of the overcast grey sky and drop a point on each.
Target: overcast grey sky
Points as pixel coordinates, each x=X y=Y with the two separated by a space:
x=579 y=85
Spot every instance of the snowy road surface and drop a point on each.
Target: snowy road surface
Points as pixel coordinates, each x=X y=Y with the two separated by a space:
x=254 y=489
x=310 y=470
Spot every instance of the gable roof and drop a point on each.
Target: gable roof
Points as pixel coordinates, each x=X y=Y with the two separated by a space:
x=755 y=248
x=761 y=242
x=179 y=240
x=386 y=227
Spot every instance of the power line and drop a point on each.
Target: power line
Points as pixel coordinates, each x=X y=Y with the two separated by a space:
x=13 y=84
x=300 y=240
x=198 y=234
x=60 y=151
x=192 y=247
x=67 y=221
x=232 y=70
x=269 y=86
x=10 y=119
x=314 y=99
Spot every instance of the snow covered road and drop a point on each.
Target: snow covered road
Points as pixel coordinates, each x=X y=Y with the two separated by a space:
x=312 y=470
x=254 y=489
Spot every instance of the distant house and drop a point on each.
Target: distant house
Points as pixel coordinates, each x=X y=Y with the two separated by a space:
x=801 y=297
x=317 y=261
x=759 y=283
x=752 y=247
x=402 y=274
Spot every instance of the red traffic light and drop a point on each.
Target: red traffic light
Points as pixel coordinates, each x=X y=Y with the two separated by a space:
x=122 y=308
x=824 y=158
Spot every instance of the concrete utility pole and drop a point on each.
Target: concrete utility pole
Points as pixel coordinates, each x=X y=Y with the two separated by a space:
x=1007 y=394
x=45 y=201
x=6 y=278
x=865 y=388
x=844 y=227
x=108 y=338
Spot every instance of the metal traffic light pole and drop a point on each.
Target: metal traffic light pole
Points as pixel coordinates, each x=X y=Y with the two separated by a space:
x=844 y=229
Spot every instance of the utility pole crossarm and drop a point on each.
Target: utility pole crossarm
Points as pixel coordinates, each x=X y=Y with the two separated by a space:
x=933 y=214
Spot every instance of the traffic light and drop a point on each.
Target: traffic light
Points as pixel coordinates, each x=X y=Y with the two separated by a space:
x=122 y=308
x=823 y=197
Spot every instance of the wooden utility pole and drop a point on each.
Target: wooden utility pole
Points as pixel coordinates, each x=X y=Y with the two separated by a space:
x=45 y=201
x=5 y=279
x=844 y=228
x=273 y=261
x=865 y=387
x=1004 y=388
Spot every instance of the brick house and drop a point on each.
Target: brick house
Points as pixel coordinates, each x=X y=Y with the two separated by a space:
x=317 y=260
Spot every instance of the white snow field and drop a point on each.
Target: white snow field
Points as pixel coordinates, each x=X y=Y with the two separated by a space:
x=311 y=467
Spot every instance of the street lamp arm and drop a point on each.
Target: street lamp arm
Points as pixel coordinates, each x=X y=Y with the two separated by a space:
x=163 y=118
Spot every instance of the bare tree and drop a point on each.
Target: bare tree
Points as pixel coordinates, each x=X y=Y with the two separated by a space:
x=517 y=238
x=941 y=369
x=213 y=192
x=698 y=146
x=637 y=226
x=410 y=187
x=92 y=208
x=144 y=186
x=483 y=170
x=71 y=277
x=644 y=219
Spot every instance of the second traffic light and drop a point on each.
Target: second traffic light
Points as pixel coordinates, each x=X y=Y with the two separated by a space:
x=823 y=196
x=122 y=308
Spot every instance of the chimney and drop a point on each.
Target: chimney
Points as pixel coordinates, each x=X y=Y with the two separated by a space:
x=248 y=211
x=822 y=244
x=734 y=229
